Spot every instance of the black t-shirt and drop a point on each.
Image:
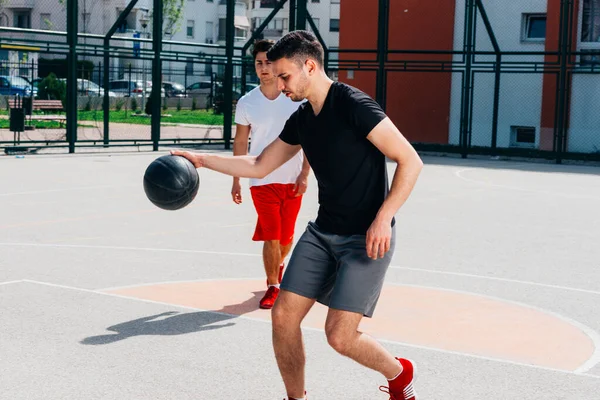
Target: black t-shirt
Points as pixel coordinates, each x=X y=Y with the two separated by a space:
x=350 y=170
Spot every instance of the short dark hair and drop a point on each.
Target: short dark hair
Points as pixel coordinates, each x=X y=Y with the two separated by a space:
x=298 y=45
x=260 y=46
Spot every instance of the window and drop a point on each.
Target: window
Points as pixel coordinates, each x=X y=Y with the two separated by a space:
x=590 y=32
x=189 y=66
x=334 y=25
x=222 y=28
x=317 y=22
x=45 y=22
x=22 y=20
x=240 y=33
x=85 y=20
x=534 y=28
x=210 y=32
x=590 y=26
x=522 y=136
x=190 y=28
x=268 y=3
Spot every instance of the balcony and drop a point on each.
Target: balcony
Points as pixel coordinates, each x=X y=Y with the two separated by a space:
x=240 y=9
x=20 y=4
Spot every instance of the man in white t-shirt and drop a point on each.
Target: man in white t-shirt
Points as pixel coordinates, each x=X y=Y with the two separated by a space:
x=261 y=114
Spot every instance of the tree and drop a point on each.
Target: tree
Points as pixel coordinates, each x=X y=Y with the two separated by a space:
x=172 y=16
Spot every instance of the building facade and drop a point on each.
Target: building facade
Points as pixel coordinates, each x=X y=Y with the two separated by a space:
x=427 y=105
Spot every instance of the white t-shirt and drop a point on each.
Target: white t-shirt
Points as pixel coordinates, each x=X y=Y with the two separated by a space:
x=267 y=119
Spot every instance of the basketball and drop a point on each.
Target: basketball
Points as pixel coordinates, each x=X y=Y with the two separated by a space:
x=171 y=182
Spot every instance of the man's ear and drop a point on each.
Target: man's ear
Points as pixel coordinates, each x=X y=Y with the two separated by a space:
x=311 y=66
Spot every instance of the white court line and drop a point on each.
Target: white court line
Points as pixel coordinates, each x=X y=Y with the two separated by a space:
x=577 y=373
x=83 y=246
x=262 y=278
x=459 y=174
x=593 y=335
x=65 y=190
x=225 y=253
x=9 y=282
x=493 y=278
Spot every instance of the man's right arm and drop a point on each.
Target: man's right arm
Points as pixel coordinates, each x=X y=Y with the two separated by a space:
x=272 y=157
x=240 y=148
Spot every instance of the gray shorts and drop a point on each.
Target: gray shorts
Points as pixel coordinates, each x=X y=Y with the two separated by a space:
x=336 y=271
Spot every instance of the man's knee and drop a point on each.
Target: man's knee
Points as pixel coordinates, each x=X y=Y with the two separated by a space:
x=339 y=339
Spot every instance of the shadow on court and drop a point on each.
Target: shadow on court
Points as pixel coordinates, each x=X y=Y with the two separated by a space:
x=175 y=323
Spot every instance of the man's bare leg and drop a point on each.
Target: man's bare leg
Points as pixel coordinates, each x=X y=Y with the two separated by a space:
x=342 y=333
x=285 y=250
x=272 y=259
x=287 y=315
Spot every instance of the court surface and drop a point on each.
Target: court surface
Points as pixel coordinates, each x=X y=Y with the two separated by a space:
x=494 y=288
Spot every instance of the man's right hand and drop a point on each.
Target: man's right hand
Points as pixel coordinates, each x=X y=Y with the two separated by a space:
x=194 y=158
x=236 y=191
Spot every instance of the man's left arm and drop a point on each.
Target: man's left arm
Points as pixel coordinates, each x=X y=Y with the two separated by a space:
x=388 y=139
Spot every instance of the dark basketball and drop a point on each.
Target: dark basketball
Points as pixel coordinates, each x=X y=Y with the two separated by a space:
x=171 y=182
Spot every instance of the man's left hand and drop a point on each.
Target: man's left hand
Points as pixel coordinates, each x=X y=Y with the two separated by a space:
x=379 y=237
x=301 y=185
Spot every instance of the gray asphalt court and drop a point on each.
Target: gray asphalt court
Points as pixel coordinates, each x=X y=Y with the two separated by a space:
x=494 y=287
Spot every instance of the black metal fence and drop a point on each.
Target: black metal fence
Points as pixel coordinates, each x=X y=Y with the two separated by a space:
x=475 y=93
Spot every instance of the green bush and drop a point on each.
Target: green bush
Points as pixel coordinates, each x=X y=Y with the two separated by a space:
x=119 y=104
x=51 y=88
x=194 y=104
x=134 y=104
x=179 y=105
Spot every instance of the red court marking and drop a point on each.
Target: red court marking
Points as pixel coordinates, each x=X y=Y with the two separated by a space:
x=452 y=321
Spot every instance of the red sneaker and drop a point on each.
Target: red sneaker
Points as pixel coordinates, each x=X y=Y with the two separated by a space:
x=304 y=397
x=281 y=268
x=269 y=298
x=401 y=388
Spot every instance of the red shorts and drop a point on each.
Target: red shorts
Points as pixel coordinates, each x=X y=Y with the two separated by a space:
x=277 y=207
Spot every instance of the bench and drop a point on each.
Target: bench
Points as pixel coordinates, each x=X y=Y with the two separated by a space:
x=41 y=105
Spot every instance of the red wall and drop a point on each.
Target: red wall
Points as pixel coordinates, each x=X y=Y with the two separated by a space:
x=419 y=103
x=549 y=97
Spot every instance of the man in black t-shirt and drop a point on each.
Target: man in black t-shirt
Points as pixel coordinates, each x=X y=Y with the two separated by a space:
x=342 y=258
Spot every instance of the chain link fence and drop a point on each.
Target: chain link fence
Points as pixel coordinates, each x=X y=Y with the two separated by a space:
x=464 y=76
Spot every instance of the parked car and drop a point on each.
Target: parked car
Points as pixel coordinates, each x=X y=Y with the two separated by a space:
x=15 y=85
x=173 y=89
x=88 y=88
x=199 y=89
x=203 y=89
x=127 y=88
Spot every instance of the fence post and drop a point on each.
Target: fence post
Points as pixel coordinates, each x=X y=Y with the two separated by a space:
x=157 y=24
x=71 y=109
x=228 y=84
x=467 y=88
x=564 y=48
x=292 y=20
x=301 y=14
x=382 y=48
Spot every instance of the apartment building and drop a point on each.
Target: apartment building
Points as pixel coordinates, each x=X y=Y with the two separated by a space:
x=427 y=106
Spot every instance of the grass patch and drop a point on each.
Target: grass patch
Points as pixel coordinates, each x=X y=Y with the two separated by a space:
x=198 y=117
x=5 y=124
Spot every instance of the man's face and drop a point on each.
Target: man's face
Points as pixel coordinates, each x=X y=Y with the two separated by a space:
x=292 y=78
x=264 y=67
